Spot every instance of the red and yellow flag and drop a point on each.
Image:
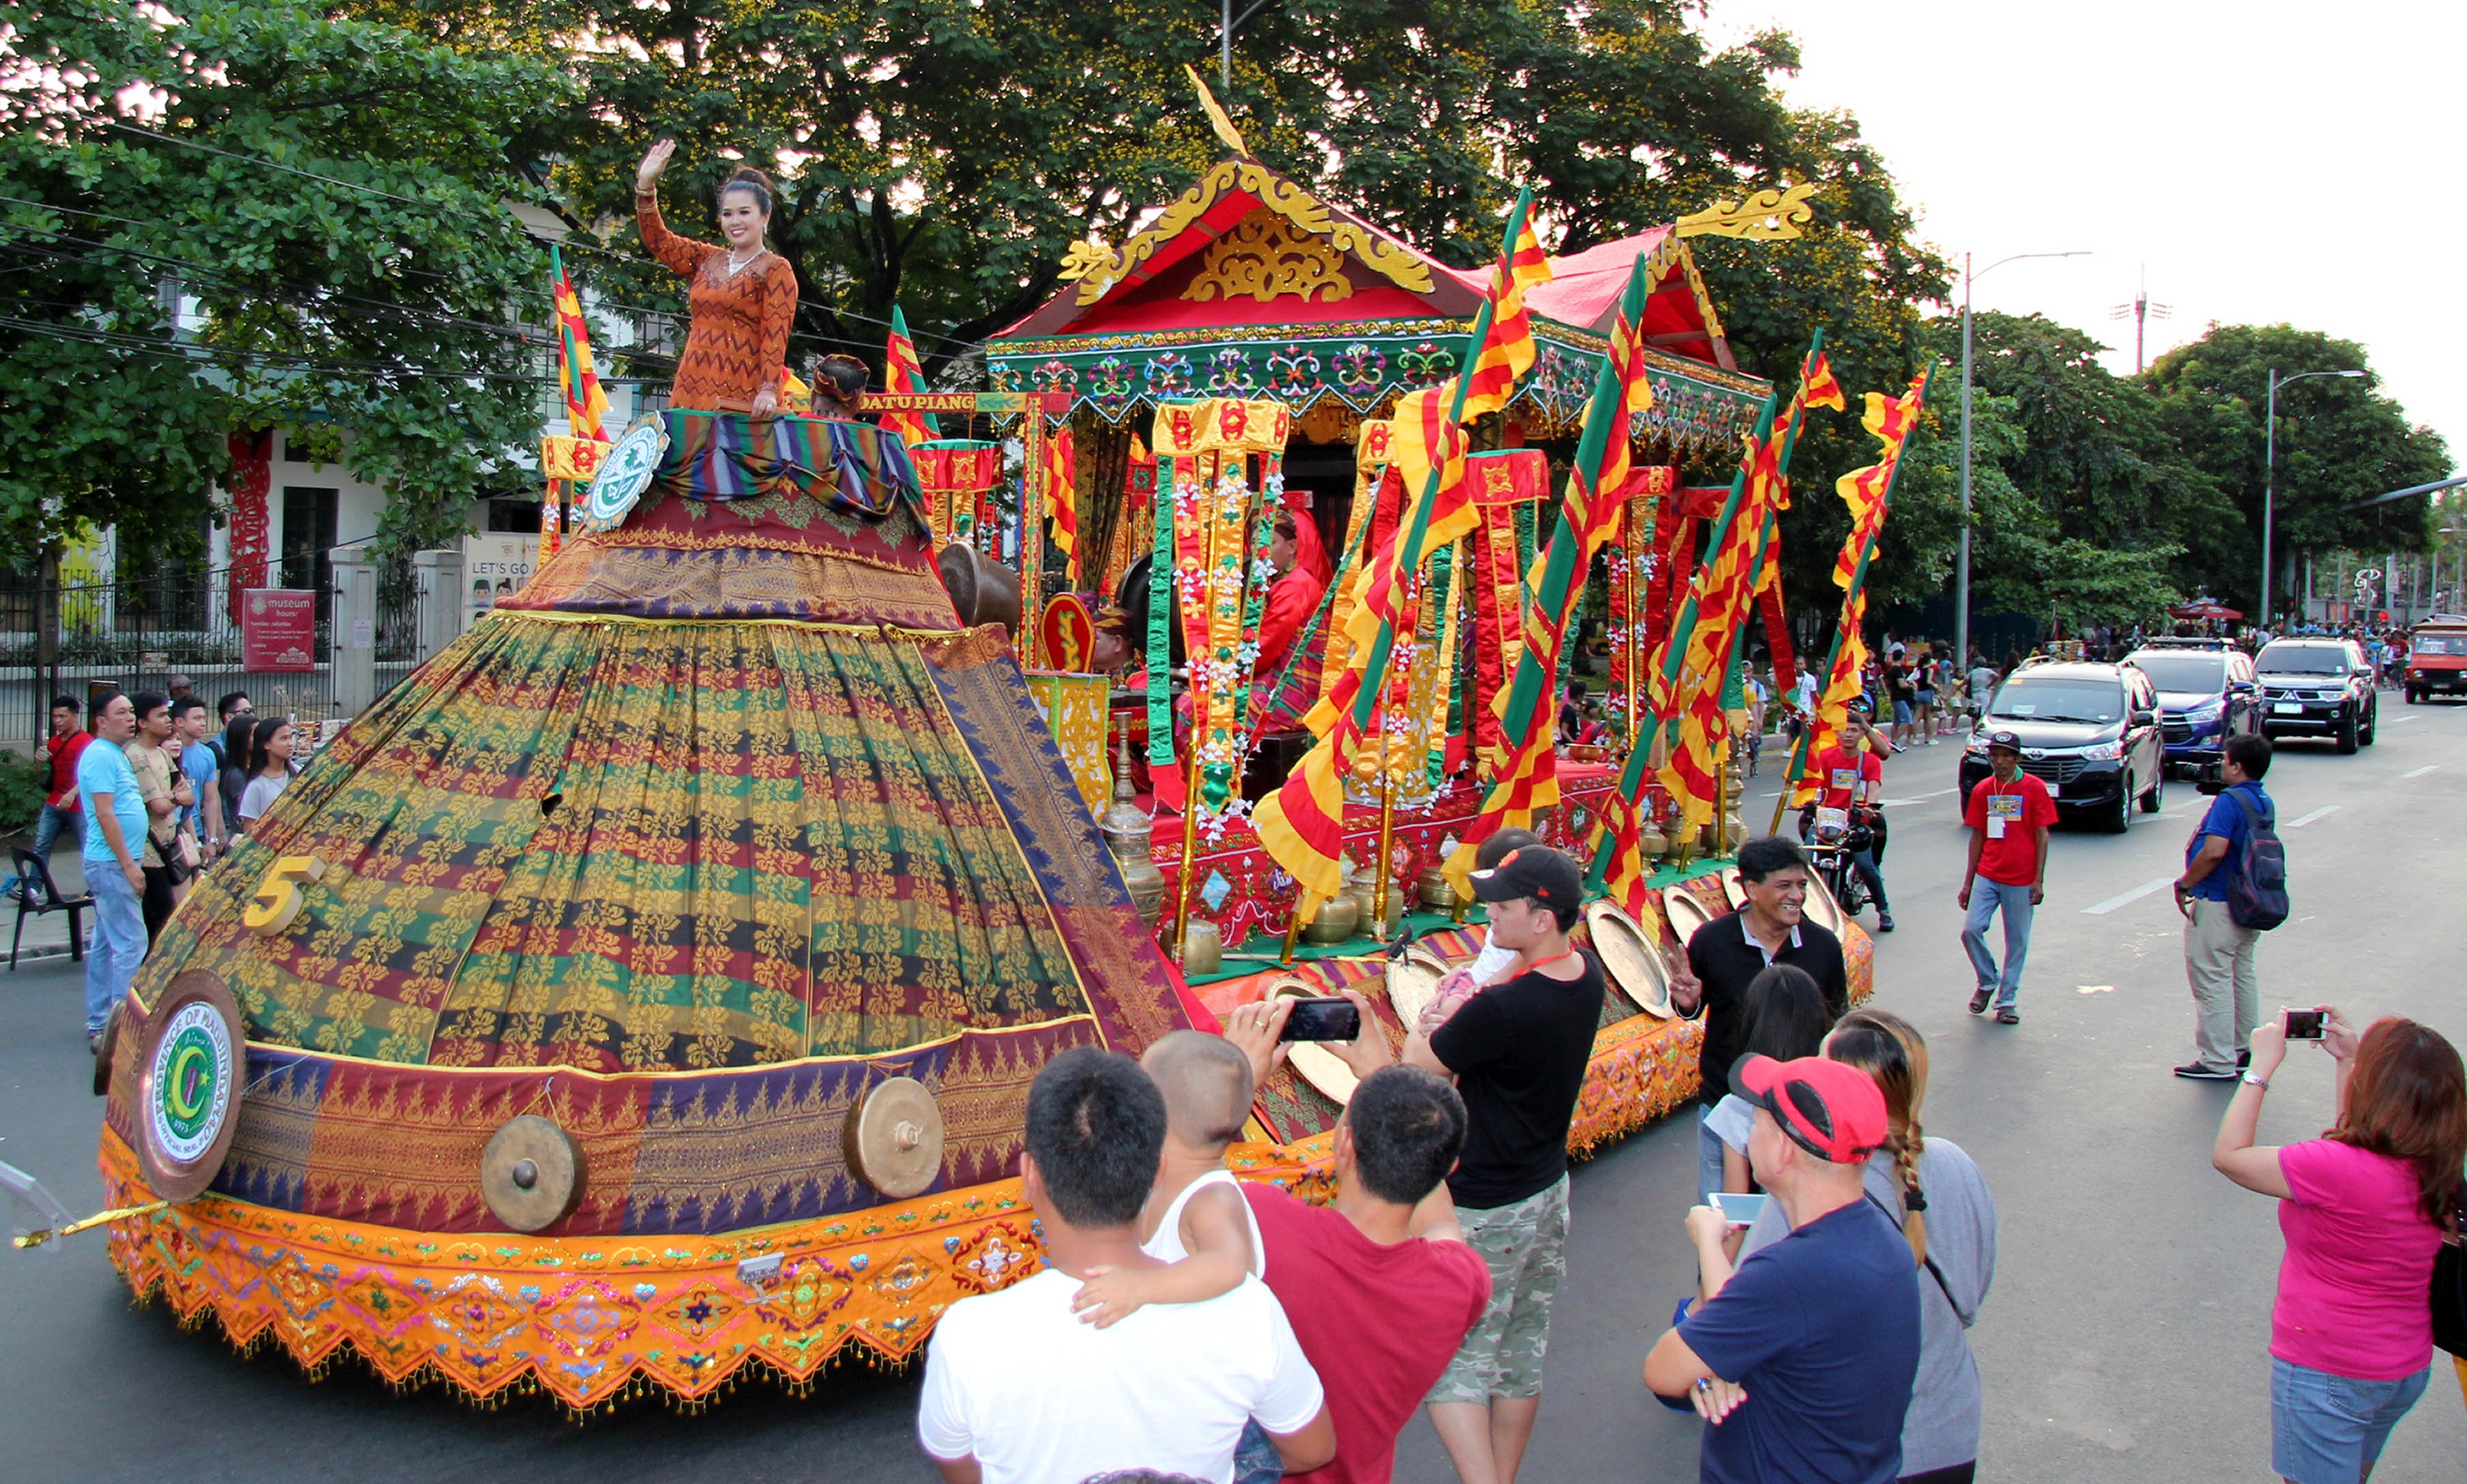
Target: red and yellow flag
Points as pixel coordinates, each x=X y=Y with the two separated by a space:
x=1868 y=493
x=1063 y=496
x=1693 y=691
x=1527 y=781
x=1301 y=826
x=586 y=404
x=903 y=372
x=1506 y=351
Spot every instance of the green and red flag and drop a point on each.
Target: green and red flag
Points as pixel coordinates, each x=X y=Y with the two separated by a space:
x=1508 y=349
x=586 y=405
x=903 y=372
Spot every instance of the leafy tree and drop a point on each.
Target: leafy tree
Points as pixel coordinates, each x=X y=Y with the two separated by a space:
x=250 y=215
x=2339 y=443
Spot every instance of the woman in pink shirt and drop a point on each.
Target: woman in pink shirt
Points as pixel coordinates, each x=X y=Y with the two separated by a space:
x=2366 y=1207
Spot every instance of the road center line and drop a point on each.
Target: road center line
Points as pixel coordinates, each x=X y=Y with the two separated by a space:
x=2128 y=898
x=2395 y=720
x=2315 y=814
x=2421 y=771
x=1917 y=797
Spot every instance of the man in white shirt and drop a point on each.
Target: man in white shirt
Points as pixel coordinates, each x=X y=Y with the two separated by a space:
x=1018 y=1388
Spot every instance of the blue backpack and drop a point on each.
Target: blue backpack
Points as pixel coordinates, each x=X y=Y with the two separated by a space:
x=2257 y=874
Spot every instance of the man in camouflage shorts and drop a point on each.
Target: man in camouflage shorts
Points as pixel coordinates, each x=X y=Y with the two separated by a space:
x=1517 y=1049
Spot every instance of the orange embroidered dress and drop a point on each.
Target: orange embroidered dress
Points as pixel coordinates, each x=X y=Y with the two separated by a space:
x=739 y=336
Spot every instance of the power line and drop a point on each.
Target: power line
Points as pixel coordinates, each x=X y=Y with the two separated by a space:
x=201 y=351
x=617 y=255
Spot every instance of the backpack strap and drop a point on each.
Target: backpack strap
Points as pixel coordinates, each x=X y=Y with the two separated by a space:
x=1966 y=1317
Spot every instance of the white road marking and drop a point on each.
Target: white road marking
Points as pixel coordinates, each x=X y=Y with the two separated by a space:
x=2421 y=771
x=2128 y=898
x=1919 y=798
x=2395 y=720
x=2315 y=814
x=2096 y=989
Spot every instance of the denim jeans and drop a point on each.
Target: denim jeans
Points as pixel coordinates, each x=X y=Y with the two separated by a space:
x=1255 y=1459
x=118 y=944
x=2328 y=1430
x=50 y=824
x=1987 y=898
x=1864 y=862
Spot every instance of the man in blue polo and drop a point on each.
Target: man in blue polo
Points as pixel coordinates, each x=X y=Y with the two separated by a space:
x=2218 y=953
x=1804 y=1359
x=115 y=833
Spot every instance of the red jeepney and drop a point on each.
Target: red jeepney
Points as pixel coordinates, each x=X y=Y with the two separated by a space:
x=2436 y=659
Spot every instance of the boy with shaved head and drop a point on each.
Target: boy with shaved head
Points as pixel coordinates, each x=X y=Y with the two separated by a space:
x=1196 y=1221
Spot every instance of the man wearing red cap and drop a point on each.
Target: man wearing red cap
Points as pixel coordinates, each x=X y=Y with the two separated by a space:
x=1804 y=1359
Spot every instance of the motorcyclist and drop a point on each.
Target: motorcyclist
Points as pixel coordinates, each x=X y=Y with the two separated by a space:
x=1850 y=774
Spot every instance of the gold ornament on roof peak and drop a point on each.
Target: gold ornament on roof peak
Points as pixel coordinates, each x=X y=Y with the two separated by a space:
x=1217 y=120
x=1773 y=214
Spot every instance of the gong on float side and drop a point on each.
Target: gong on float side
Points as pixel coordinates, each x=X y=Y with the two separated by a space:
x=893 y=1137
x=189 y=1069
x=1631 y=960
x=531 y=1173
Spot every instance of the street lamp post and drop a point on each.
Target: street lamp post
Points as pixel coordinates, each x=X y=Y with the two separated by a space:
x=1225 y=39
x=2268 y=468
x=1961 y=561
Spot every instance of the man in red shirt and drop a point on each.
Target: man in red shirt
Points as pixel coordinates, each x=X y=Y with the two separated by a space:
x=1850 y=773
x=62 y=810
x=1380 y=1287
x=2009 y=815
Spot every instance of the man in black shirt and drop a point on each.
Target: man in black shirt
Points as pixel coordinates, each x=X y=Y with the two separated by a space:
x=1729 y=951
x=1518 y=1051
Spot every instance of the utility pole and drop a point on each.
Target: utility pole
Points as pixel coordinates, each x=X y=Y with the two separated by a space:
x=2142 y=310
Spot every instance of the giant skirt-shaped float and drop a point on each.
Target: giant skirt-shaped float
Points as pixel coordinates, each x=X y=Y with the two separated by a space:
x=717 y=826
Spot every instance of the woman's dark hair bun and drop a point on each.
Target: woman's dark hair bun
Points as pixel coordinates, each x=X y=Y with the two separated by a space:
x=748 y=178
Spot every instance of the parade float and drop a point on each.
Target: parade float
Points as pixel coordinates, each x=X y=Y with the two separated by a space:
x=644 y=994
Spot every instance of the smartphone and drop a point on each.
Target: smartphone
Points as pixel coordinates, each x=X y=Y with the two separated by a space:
x=2306 y=1025
x=1328 y=1017
x=1739 y=1207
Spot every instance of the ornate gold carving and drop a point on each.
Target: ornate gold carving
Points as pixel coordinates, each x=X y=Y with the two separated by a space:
x=1768 y=216
x=1097 y=268
x=1263 y=258
x=1225 y=133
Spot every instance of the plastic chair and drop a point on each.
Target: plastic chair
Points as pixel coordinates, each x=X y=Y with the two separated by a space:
x=37 y=895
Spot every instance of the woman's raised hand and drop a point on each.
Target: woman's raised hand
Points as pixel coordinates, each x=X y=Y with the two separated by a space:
x=654 y=161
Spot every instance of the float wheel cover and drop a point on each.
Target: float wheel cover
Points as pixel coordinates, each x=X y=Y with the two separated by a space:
x=188 y=1071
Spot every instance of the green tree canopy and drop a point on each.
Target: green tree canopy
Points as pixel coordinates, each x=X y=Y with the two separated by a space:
x=250 y=216
x=2339 y=443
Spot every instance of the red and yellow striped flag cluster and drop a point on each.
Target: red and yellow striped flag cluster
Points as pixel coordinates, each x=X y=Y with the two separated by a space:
x=1506 y=351
x=1529 y=777
x=903 y=372
x=1301 y=826
x=1867 y=493
x=1724 y=586
x=586 y=404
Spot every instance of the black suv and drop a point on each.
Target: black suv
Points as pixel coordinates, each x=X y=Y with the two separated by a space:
x=2318 y=687
x=2090 y=733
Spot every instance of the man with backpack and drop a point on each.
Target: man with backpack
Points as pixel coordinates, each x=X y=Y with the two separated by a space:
x=2234 y=887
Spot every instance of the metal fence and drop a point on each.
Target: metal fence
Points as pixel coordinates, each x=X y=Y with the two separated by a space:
x=76 y=637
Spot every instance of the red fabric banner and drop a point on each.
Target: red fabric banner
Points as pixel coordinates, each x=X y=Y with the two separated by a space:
x=250 y=482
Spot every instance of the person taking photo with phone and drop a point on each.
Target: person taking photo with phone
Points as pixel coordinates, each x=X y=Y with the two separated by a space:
x=2364 y=1210
x=1517 y=1051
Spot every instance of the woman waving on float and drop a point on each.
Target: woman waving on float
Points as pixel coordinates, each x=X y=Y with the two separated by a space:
x=743 y=297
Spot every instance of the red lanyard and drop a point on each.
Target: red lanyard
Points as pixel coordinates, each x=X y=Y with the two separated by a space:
x=1548 y=962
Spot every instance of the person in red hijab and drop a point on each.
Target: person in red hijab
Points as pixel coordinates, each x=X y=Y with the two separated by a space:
x=1302 y=575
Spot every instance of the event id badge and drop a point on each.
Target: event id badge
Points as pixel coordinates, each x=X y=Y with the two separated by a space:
x=1832 y=820
x=2003 y=810
x=1845 y=779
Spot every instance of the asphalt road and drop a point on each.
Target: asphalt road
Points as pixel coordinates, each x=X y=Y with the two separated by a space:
x=2125 y=1338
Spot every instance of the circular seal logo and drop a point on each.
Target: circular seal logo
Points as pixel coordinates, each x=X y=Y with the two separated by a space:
x=193 y=1074
x=625 y=476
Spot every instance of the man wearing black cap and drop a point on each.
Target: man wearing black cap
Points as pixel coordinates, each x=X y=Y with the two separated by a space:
x=1518 y=1052
x=2008 y=814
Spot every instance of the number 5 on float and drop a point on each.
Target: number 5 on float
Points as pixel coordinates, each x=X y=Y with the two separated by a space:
x=279 y=898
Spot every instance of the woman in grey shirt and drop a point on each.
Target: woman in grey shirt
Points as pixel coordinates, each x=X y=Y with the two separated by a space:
x=1937 y=1197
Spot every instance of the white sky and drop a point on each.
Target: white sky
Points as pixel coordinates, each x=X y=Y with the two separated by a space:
x=2269 y=162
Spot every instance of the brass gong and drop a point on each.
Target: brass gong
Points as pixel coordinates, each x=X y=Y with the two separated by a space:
x=1631 y=960
x=893 y=1137
x=1414 y=983
x=531 y=1173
